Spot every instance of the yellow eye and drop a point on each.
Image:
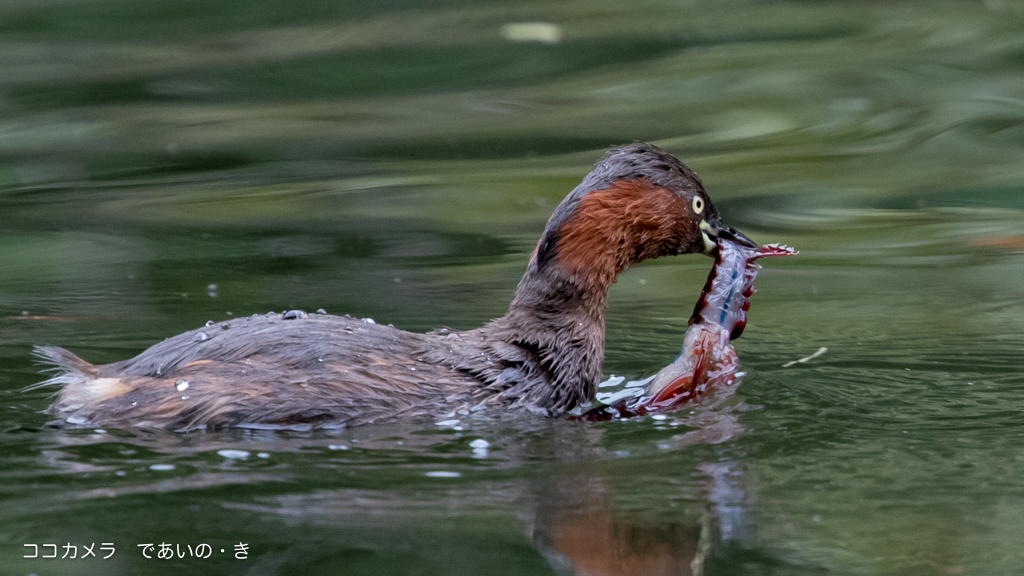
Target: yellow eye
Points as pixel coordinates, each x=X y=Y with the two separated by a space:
x=698 y=204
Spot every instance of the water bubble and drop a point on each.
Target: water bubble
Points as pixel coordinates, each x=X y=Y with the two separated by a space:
x=321 y=311
x=294 y=314
x=185 y=397
x=211 y=290
x=263 y=455
x=181 y=385
x=368 y=321
x=162 y=467
x=337 y=447
x=659 y=417
x=480 y=443
x=200 y=337
x=442 y=474
x=612 y=380
x=209 y=323
x=76 y=420
x=234 y=454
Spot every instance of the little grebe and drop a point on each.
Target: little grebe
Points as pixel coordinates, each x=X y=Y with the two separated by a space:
x=544 y=355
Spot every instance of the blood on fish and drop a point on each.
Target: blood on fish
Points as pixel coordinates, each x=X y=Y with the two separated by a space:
x=708 y=359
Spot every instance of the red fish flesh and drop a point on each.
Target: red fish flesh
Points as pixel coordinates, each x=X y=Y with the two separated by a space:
x=708 y=359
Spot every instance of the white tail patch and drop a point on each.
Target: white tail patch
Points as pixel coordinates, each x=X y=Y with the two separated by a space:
x=78 y=388
x=102 y=388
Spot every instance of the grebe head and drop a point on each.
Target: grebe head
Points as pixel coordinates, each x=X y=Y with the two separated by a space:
x=638 y=202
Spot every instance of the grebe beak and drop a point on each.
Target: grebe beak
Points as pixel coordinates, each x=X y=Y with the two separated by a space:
x=714 y=230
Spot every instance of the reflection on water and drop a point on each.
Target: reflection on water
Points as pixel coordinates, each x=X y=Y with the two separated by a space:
x=582 y=535
x=549 y=485
x=580 y=530
x=397 y=160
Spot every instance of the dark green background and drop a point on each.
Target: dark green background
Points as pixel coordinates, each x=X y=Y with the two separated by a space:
x=399 y=159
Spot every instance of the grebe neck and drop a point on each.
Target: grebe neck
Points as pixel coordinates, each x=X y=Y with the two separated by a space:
x=557 y=319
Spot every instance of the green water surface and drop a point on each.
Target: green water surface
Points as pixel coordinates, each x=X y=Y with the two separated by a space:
x=167 y=162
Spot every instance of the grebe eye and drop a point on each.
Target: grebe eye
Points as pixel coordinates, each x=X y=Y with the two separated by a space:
x=698 y=204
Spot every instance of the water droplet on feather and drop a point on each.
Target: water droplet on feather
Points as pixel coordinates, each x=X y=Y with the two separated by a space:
x=200 y=337
x=181 y=385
